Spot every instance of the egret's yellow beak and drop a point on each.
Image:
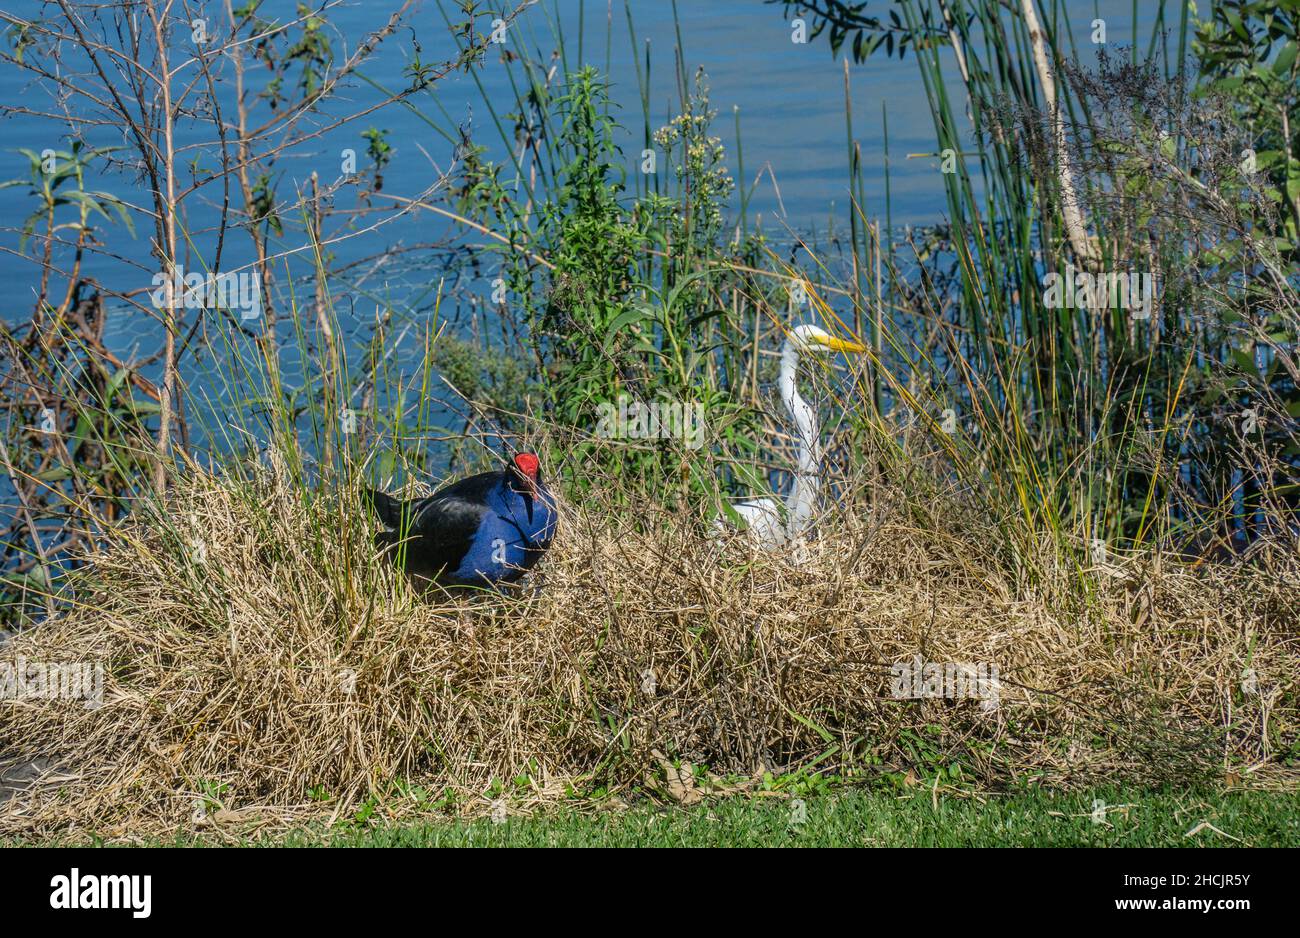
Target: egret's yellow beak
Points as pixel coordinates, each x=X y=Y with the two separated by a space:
x=841 y=345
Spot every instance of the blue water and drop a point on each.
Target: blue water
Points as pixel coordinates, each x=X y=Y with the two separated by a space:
x=788 y=99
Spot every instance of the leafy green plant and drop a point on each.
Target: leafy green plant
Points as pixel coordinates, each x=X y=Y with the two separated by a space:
x=51 y=171
x=627 y=304
x=380 y=152
x=1249 y=54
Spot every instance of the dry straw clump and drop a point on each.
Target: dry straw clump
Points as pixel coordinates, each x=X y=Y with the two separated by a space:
x=263 y=665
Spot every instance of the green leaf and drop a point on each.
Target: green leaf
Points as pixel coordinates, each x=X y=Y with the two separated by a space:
x=633 y=314
x=1285 y=59
x=1234 y=20
x=750 y=477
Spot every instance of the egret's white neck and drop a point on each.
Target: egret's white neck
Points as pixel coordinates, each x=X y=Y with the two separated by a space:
x=802 y=500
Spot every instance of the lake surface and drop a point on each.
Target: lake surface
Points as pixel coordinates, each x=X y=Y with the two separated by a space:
x=788 y=98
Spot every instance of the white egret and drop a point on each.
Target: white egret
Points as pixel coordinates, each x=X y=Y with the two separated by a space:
x=763 y=517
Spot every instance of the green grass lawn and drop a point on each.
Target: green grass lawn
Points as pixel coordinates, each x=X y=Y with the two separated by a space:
x=857 y=818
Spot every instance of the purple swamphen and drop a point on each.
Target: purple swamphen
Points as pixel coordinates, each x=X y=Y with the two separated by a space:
x=490 y=528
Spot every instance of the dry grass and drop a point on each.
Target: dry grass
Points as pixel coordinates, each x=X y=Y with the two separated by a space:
x=290 y=660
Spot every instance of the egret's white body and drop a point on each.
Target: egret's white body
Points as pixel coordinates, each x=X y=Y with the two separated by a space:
x=763 y=516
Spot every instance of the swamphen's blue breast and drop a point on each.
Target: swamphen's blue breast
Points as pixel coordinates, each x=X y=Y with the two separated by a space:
x=490 y=528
